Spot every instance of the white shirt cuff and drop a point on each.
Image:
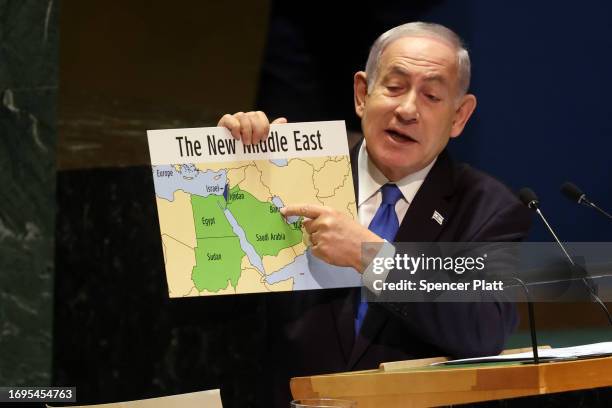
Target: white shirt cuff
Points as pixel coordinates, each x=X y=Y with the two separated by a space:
x=368 y=276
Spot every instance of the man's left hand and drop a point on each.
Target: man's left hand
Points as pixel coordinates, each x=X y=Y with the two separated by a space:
x=336 y=238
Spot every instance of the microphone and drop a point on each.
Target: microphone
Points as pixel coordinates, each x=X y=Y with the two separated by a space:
x=573 y=193
x=530 y=199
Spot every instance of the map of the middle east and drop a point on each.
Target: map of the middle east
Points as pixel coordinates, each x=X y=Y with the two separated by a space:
x=221 y=229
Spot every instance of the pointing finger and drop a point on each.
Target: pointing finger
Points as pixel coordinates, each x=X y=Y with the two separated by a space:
x=304 y=210
x=307 y=222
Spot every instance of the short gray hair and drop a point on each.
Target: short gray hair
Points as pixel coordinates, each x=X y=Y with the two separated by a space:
x=420 y=29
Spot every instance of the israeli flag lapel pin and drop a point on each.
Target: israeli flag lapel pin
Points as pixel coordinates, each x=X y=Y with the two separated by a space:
x=437 y=217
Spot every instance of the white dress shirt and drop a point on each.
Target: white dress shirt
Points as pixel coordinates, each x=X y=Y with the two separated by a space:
x=371 y=180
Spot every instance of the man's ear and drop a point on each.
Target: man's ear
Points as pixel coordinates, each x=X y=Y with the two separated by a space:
x=462 y=114
x=360 y=91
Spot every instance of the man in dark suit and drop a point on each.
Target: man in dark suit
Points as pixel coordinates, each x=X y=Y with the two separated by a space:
x=412 y=98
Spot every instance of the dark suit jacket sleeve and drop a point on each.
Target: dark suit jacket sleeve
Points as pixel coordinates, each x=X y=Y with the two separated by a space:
x=462 y=330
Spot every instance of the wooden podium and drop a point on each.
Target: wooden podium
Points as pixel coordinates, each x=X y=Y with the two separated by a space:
x=416 y=384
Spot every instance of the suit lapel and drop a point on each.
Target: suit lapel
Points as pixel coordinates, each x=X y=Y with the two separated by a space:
x=420 y=225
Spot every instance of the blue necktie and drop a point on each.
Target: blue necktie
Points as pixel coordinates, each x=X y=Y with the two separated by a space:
x=384 y=224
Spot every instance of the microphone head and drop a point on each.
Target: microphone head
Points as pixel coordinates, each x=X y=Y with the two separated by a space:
x=529 y=198
x=571 y=191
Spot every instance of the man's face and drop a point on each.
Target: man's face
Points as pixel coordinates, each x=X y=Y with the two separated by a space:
x=413 y=107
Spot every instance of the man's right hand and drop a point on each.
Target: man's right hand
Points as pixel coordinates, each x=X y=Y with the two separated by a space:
x=250 y=127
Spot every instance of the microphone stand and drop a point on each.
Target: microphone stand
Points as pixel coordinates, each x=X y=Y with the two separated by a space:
x=531 y=316
x=584 y=201
x=576 y=267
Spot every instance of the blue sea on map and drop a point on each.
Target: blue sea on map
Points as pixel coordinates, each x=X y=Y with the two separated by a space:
x=309 y=272
x=276 y=200
x=168 y=179
x=246 y=246
x=279 y=162
x=330 y=276
x=298 y=270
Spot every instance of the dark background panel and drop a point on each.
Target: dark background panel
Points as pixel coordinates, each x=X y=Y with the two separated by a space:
x=28 y=92
x=541 y=74
x=117 y=334
x=130 y=66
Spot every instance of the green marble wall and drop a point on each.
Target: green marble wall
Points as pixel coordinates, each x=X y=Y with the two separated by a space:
x=28 y=98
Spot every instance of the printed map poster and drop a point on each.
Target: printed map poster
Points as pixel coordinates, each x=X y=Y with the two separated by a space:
x=218 y=203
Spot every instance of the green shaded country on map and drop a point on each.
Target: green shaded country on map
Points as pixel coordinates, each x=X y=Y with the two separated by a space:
x=263 y=224
x=208 y=217
x=217 y=262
